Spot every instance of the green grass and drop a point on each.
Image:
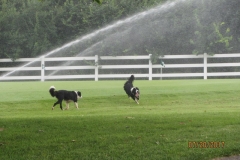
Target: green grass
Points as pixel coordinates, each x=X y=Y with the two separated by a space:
x=108 y=125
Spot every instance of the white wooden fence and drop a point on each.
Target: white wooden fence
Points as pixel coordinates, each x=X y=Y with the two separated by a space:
x=95 y=60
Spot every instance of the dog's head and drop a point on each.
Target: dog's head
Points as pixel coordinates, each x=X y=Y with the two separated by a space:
x=136 y=92
x=52 y=87
x=79 y=94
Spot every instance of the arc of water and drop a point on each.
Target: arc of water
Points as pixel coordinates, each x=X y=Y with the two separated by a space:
x=19 y=68
x=135 y=17
x=70 y=62
x=85 y=52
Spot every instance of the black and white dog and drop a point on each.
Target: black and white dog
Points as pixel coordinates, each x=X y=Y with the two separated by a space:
x=132 y=92
x=65 y=95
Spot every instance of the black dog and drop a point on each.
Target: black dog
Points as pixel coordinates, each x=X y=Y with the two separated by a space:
x=67 y=96
x=131 y=91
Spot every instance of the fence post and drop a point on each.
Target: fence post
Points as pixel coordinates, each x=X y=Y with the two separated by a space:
x=161 y=73
x=205 y=65
x=150 y=67
x=96 y=67
x=42 y=68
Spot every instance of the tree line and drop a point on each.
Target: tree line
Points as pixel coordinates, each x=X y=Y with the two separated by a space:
x=29 y=28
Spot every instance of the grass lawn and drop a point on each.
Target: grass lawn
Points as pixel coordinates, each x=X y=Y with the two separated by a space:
x=176 y=119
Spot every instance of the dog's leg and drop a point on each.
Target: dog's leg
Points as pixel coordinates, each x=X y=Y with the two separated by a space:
x=55 y=104
x=58 y=102
x=61 y=105
x=76 y=104
x=136 y=100
x=67 y=105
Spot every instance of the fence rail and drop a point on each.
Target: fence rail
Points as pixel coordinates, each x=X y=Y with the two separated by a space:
x=96 y=66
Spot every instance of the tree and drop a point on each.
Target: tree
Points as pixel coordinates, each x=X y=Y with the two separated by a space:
x=98 y=1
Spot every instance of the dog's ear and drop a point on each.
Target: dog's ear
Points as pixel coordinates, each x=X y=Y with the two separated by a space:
x=134 y=91
x=138 y=89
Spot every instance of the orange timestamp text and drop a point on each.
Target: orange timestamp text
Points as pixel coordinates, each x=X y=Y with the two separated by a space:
x=205 y=144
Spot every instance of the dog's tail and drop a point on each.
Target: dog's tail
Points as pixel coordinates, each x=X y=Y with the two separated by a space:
x=52 y=91
x=131 y=79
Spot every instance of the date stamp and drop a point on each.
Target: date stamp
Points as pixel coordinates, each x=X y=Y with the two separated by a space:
x=205 y=144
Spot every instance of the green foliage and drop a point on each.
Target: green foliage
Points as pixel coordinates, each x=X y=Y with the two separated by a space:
x=98 y=1
x=215 y=34
x=221 y=38
x=30 y=28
